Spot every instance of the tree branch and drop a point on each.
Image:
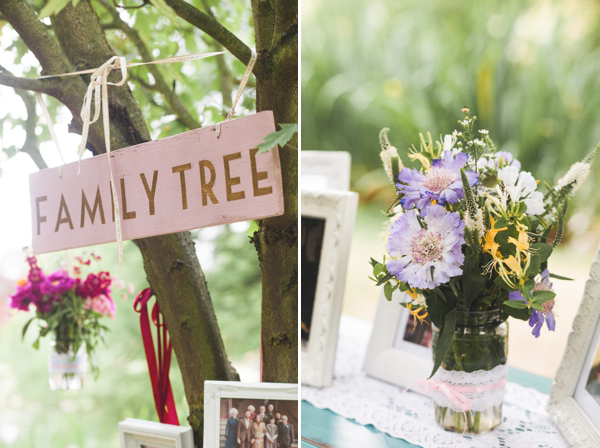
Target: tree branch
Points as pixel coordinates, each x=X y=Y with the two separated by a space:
x=30 y=147
x=159 y=81
x=49 y=86
x=213 y=28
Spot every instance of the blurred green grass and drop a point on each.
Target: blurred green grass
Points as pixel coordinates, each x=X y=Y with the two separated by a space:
x=528 y=70
x=32 y=416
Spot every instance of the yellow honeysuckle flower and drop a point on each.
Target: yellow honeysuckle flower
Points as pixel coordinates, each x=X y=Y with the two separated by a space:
x=491 y=246
x=421 y=158
x=522 y=243
x=419 y=313
x=412 y=294
x=512 y=264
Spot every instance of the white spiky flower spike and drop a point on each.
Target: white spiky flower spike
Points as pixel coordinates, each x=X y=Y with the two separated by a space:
x=389 y=157
x=578 y=173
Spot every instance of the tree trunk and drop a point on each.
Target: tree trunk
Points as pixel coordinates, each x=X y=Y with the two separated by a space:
x=276 y=241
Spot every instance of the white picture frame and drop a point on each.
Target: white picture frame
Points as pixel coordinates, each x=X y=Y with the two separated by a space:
x=325 y=170
x=338 y=210
x=578 y=416
x=214 y=391
x=389 y=357
x=135 y=433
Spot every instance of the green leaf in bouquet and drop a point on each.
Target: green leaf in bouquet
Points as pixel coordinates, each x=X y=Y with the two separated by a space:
x=543 y=250
x=384 y=279
x=500 y=223
x=36 y=344
x=26 y=327
x=472 y=284
x=377 y=269
x=444 y=340
x=542 y=296
x=518 y=304
x=439 y=292
x=502 y=284
x=373 y=262
x=387 y=290
x=534 y=266
x=517 y=313
x=560 y=277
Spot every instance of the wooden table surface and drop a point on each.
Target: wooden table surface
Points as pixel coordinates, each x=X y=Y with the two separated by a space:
x=324 y=429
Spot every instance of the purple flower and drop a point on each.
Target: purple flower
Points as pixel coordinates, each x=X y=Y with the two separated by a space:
x=537 y=318
x=493 y=161
x=94 y=285
x=430 y=256
x=57 y=283
x=440 y=183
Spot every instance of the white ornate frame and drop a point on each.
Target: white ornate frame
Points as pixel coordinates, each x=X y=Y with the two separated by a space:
x=215 y=390
x=338 y=209
x=568 y=414
x=383 y=359
x=135 y=433
x=333 y=167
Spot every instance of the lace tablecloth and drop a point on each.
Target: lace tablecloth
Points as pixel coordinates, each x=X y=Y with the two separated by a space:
x=409 y=416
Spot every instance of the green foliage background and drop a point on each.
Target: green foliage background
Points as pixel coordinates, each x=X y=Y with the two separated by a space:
x=528 y=70
x=30 y=414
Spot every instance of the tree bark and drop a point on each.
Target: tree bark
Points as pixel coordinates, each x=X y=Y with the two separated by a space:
x=276 y=241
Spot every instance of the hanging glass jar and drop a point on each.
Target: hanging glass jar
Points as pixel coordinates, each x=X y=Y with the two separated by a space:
x=66 y=369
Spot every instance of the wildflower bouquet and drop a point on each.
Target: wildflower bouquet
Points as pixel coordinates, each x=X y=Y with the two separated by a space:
x=472 y=233
x=68 y=308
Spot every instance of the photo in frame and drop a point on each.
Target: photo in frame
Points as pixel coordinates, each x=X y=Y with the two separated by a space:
x=134 y=433
x=325 y=170
x=574 y=402
x=399 y=351
x=327 y=224
x=262 y=413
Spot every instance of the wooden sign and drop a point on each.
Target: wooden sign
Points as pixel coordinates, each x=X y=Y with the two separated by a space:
x=177 y=183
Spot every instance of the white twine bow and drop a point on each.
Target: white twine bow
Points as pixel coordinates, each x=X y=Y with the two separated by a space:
x=97 y=92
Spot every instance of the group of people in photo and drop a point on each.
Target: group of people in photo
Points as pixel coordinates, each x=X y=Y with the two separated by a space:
x=266 y=428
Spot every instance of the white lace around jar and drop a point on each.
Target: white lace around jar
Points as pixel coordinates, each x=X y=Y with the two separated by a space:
x=481 y=389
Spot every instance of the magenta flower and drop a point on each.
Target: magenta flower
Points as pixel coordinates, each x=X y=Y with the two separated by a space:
x=57 y=283
x=94 y=285
x=35 y=273
x=440 y=183
x=26 y=294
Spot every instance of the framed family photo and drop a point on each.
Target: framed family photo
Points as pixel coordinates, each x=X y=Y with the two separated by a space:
x=135 y=433
x=244 y=415
x=327 y=224
x=574 y=402
x=399 y=350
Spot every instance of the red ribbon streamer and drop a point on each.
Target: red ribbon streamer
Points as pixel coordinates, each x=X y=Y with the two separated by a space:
x=158 y=369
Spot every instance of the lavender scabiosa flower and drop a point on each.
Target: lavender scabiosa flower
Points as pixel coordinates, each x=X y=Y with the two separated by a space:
x=537 y=318
x=440 y=183
x=437 y=246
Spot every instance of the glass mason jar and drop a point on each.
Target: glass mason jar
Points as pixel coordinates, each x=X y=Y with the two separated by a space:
x=66 y=369
x=474 y=371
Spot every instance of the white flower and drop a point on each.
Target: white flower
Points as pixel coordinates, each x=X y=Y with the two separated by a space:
x=521 y=186
x=386 y=157
x=475 y=224
x=420 y=301
x=576 y=175
x=479 y=143
x=484 y=132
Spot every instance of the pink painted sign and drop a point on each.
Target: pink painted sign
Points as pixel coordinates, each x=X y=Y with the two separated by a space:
x=177 y=183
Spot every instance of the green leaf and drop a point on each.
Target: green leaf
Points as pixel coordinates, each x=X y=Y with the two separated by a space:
x=471 y=287
x=534 y=266
x=377 y=269
x=382 y=280
x=543 y=296
x=502 y=284
x=53 y=7
x=26 y=327
x=278 y=138
x=444 y=340
x=560 y=277
x=543 y=250
x=36 y=344
x=387 y=290
x=518 y=304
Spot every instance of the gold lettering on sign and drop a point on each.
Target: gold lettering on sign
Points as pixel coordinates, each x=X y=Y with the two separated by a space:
x=126 y=214
x=181 y=170
x=207 y=186
x=150 y=191
x=85 y=205
x=40 y=219
x=258 y=175
x=67 y=218
x=231 y=181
